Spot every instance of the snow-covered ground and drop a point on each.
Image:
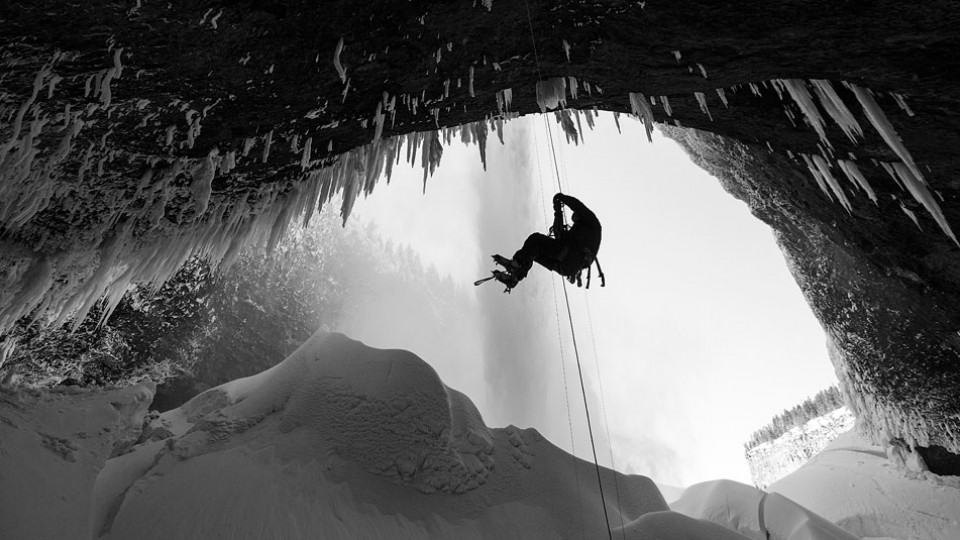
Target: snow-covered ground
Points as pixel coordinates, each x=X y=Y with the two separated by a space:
x=341 y=440
x=772 y=460
x=854 y=484
x=53 y=445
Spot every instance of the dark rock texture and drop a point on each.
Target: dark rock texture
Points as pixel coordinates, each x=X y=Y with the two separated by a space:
x=135 y=134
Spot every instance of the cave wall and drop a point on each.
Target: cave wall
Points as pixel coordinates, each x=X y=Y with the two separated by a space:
x=133 y=136
x=870 y=278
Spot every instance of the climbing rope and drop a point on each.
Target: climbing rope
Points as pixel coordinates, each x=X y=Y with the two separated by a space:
x=573 y=333
x=563 y=363
x=596 y=356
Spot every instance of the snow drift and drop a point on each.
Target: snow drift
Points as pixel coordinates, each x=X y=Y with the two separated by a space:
x=52 y=447
x=341 y=440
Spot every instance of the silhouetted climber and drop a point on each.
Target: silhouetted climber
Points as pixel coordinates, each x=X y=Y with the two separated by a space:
x=568 y=252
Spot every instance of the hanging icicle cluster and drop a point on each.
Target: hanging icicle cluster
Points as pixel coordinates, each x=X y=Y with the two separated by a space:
x=807 y=95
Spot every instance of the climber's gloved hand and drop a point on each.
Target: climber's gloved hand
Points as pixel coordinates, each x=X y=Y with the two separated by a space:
x=557 y=201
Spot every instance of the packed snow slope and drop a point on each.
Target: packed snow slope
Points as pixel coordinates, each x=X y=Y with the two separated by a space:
x=341 y=440
x=52 y=447
x=857 y=486
x=851 y=489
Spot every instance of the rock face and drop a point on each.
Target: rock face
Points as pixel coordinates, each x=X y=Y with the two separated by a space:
x=882 y=289
x=775 y=459
x=134 y=137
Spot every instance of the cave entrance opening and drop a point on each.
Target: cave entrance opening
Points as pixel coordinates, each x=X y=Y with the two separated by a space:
x=705 y=335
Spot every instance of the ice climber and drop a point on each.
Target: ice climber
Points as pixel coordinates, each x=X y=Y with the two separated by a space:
x=568 y=252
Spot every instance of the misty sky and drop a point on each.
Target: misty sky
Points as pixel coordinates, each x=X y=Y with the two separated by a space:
x=701 y=333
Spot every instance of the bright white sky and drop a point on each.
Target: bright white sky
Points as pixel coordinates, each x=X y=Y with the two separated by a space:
x=702 y=334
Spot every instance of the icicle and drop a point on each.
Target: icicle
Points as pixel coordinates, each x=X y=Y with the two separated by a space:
x=53 y=83
x=616 y=120
x=837 y=109
x=471 y=82
x=574 y=86
x=815 y=172
x=883 y=126
x=856 y=177
x=798 y=91
x=824 y=168
x=703 y=70
x=305 y=157
x=563 y=117
x=378 y=120
x=755 y=89
x=893 y=174
x=266 y=147
x=566 y=49
x=336 y=64
x=640 y=107
x=551 y=93
x=666 y=105
x=676 y=55
x=901 y=101
x=507 y=98
x=203 y=181
x=117 y=64
x=723 y=97
x=702 y=100
x=919 y=190
x=911 y=215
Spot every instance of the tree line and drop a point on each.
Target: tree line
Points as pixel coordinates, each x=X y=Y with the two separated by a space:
x=824 y=402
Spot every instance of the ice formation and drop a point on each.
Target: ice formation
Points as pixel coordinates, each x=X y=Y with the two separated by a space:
x=918 y=189
x=31 y=162
x=837 y=109
x=723 y=97
x=702 y=100
x=856 y=177
x=552 y=93
x=640 y=107
x=797 y=89
x=906 y=173
x=666 y=105
x=336 y=62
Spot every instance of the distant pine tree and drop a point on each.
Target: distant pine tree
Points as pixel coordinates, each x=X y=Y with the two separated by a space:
x=822 y=403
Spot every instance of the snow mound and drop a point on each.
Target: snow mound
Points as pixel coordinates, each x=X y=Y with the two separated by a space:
x=675 y=526
x=754 y=513
x=341 y=440
x=52 y=446
x=387 y=410
x=853 y=484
